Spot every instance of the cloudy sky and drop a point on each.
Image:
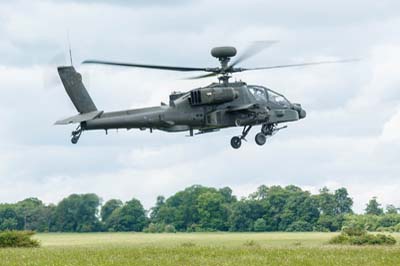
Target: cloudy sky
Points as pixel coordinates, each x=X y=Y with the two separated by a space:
x=350 y=138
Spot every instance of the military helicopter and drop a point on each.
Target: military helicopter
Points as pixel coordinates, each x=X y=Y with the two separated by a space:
x=201 y=110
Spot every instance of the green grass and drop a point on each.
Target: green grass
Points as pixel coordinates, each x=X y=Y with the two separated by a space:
x=197 y=249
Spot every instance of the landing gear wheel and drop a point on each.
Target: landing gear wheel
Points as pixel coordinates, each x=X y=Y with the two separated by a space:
x=76 y=134
x=260 y=139
x=236 y=142
x=74 y=140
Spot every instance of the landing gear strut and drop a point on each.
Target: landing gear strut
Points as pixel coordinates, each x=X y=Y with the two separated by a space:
x=76 y=134
x=267 y=130
x=236 y=141
x=270 y=129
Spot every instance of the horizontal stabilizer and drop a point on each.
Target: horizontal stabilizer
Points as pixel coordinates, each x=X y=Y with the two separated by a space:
x=79 y=118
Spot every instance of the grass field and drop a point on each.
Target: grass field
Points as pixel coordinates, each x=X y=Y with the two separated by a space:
x=197 y=249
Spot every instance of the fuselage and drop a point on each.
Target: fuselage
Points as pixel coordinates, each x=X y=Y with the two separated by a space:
x=244 y=105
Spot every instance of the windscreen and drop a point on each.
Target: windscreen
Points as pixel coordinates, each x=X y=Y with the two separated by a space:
x=277 y=98
x=258 y=93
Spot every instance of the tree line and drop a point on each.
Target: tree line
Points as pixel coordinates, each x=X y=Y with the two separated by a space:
x=198 y=208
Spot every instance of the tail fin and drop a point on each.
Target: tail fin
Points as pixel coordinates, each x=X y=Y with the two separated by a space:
x=73 y=84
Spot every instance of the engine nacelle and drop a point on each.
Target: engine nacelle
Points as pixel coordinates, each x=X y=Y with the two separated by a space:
x=210 y=96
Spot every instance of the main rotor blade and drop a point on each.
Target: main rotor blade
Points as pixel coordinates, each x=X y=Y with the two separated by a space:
x=203 y=76
x=252 y=50
x=300 y=65
x=171 y=68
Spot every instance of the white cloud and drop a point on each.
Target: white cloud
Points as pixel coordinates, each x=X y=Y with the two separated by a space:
x=350 y=137
x=391 y=129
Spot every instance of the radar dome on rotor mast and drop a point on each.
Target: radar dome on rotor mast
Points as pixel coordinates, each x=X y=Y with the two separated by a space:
x=223 y=52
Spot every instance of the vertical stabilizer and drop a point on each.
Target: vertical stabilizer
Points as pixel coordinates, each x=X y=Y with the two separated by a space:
x=76 y=91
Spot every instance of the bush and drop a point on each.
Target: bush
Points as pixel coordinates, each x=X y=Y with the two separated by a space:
x=367 y=239
x=319 y=228
x=155 y=228
x=188 y=244
x=389 y=229
x=18 y=239
x=193 y=228
x=357 y=235
x=354 y=230
x=169 y=228
x=385 y=239
x=299 y=226
x=199 y=229
x=251 y=243
x=340 y=239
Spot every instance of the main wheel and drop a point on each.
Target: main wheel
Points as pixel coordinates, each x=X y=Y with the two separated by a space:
x=261 y=139
x=236 y=142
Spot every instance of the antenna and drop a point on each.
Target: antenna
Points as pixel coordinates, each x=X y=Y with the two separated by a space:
x=69 y=48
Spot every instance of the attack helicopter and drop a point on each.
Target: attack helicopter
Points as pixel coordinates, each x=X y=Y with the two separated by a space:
x=207 y=109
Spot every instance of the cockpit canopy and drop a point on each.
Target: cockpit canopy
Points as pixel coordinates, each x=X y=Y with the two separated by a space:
x=267 y=95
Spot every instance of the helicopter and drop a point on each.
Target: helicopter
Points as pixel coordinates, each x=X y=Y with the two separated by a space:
x=207 y=109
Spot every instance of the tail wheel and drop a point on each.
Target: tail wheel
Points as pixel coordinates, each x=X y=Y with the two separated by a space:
x=76 y=134
x=260 y=139
x=236 y=142
x=74 y=140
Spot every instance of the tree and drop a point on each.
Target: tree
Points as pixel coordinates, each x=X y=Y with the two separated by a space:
x=9 y=218
x=244 y=213
x=130 y=217
x=332 y=207
x=212 y=210
x=260 y=225
x=343 y=202
x=180 y=209
x=373 y=207
x=299 y=206
x=391 y=209
x=154 y=213
x=109 y=207
x=189 y=209
x=283 y=206
x=36 y=215
x=260 y=194
x=326 y=202
x=226 y=193
x=77 y=213
x=330 y=222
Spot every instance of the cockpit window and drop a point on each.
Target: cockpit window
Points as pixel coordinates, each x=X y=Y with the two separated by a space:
x=258 y=93
x=277 y=98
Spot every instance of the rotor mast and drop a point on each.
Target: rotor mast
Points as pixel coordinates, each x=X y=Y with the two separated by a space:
x=224 y=76
x=224 y=55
